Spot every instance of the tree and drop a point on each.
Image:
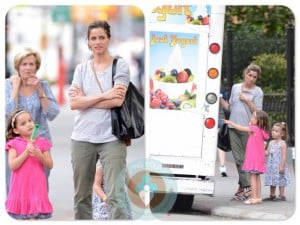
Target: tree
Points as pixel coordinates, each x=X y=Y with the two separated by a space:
x=264 y=21
x=256 y=30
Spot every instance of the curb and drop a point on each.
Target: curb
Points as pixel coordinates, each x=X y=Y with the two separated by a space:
x=245 y=214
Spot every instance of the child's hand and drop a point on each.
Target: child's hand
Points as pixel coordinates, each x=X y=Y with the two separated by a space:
x=281 y=170
x=105 y=199
x=266 y=153
x=29 y=149
x=226 y=121
x=33 y=150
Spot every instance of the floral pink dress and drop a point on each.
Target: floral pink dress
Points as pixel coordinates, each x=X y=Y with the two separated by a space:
x=255 y=155
x=28 y=193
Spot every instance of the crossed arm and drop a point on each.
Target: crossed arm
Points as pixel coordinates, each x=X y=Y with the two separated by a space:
x=109 y=99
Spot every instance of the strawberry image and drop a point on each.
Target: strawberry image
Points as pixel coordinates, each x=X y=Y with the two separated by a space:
x=205 y=20
x=155 y=102
x=182 y=77
x=157 y=72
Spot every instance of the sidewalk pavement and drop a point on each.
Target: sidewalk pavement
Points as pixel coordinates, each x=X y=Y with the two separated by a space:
x=221 y=204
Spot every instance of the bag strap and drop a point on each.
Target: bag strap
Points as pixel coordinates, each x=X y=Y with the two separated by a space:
x=97 y=80
x=114 y=66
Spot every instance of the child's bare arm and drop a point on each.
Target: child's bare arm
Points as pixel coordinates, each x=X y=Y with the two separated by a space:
x=283 y=157
x=47 y=160
x=14 y=160
x=237 y=126
x=97 y=186
x=267 y=149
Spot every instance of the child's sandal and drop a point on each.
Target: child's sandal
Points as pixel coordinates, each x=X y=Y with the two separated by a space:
x=270 y=198
x=281 y=198
x=251 y=201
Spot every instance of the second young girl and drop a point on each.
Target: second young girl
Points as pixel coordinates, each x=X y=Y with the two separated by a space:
x=254 y=163
x=28 y=193
x=100 y=199
x=277 y=170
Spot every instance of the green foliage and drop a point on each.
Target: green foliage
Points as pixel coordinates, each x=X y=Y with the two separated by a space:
x=274 y=73
x=263 y=21
x=256 y=30
x=275 y=117
x=245 y=49
x=273 y=80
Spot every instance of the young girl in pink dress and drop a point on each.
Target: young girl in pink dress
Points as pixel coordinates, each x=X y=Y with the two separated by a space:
x=254 y=163
x=28 y=193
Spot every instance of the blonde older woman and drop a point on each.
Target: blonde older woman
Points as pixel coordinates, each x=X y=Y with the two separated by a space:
x=25 y=90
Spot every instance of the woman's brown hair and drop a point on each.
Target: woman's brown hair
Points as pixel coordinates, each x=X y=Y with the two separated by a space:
x=99 y=24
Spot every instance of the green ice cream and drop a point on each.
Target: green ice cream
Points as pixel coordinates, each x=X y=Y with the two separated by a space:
x=34 y=132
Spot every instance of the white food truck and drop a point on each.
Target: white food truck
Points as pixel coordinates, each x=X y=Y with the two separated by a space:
x=185 y=44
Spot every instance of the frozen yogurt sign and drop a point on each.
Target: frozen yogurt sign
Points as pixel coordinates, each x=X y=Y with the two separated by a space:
x=182 y=14
x=173 y=65
x=165 y=10
x=173 y=39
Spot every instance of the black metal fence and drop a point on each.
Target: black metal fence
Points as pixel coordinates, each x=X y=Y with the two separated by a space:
x=276 y=106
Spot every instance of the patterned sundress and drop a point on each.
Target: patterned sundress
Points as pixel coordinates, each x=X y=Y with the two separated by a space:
x=273 y=177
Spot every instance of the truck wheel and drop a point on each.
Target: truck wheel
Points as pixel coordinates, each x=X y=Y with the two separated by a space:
x=183 y=202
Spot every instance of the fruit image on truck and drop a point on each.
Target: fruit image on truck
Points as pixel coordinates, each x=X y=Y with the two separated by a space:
x=173 y=83
x=185 y=56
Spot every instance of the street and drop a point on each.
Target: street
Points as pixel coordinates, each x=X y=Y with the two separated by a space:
x=61 y=182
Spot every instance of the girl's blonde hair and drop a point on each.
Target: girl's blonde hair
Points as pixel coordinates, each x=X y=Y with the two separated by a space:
x=284 y=130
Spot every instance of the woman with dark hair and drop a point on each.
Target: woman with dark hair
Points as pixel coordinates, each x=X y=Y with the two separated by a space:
x=93 y=95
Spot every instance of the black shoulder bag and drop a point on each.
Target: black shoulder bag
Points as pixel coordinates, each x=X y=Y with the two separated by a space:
x=223 y=136
x=128 y=119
